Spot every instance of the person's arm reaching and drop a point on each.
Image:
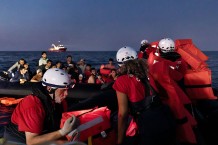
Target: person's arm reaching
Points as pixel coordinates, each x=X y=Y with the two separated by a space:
x=13 y=67
x=33 y=138
x=122 y=115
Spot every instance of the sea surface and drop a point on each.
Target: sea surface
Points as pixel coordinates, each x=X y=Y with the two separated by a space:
x=95 y=58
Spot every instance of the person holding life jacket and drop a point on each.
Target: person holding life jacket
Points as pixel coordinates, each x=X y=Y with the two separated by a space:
x=36 y=119
x=154 y=120
x=105 y=69
x=166 y=52
x=168 y=68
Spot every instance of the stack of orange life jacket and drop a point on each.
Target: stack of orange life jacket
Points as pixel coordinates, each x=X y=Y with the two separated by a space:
x=197 y=79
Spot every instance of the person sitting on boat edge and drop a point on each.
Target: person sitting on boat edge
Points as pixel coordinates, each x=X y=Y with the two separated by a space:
x=92 y=78
x=69 y=61
x=27 y=67
x=154 y=120
x=59 y=64
x=15 y=67
x=81 y=79
x=87 y=71
x=36 y=119
x=114 y=74
x=82 y=65
x=46 y=66
x=21 y=76
x=99 y=78
x=43 y=59
x=38 y=76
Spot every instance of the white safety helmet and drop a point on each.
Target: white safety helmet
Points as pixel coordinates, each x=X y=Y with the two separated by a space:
x=143 y=42
x=56 y=78
x=124 y=54
x=166 y=45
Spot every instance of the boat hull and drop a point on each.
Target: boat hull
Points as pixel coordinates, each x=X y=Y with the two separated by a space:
x=58 y=50
x=16 y=90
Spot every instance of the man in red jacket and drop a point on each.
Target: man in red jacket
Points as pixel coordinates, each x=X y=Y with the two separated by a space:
x=145 y=49
x=36 y=119
x=167 y=68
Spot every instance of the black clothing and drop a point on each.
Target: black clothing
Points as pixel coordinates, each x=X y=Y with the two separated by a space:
x=172 y=56
x=105 y=97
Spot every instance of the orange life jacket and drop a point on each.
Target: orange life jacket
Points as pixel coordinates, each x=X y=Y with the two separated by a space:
x=197 y=80
x=7 y=101
x=92 y=122
x=191 y=54
x=104 y=71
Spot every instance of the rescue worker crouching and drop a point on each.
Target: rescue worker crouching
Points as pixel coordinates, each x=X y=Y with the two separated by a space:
x=36 y=119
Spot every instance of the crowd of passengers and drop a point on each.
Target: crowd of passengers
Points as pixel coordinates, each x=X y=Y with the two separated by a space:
x=80 y=72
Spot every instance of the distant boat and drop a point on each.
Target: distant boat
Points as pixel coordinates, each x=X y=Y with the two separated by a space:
x=57 y=48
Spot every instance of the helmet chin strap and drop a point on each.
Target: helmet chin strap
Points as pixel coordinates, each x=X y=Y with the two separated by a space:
x=52 y=92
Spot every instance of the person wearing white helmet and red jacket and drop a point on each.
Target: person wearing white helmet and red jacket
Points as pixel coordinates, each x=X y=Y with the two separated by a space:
x=166 y=51
x=145 y=49
x=36 y=119
x=167 y=69
x=134 y=94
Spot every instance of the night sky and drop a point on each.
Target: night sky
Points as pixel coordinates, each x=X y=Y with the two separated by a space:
x=105 y=25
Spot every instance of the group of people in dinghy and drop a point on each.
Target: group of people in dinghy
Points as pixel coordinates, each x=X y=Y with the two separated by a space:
x=160 y=93
x=80 y=72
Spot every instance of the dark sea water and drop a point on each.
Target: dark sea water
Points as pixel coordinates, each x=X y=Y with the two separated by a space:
x=95 y=58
